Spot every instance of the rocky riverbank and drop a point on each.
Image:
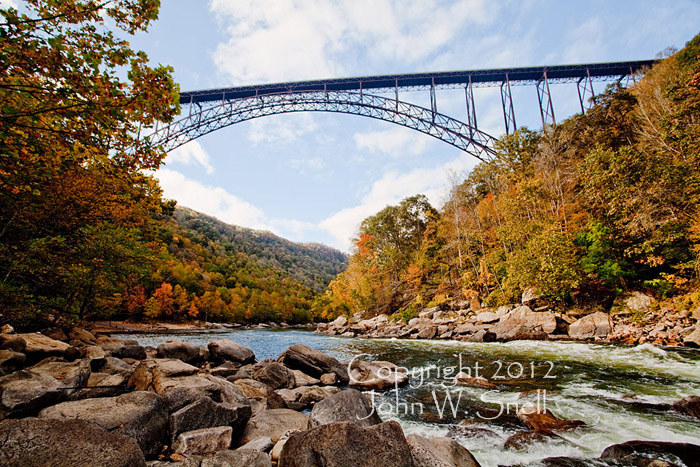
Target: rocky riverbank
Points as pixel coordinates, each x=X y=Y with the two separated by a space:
x=86 y=399
x=634 y=318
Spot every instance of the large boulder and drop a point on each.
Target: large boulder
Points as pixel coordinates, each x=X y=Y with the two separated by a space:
x=596 y=325
x=224 y=350
x=118 y=348
x=275 y=375
x=345 y=444
x=689 y=406
x=302 y=379
x=205 y=413
x=439 y=452
x=184 y=351
x=25 y=393
x=305 y=396
x=12 y=342
x=313 y=362
x=81 y=338
x=140 y=415
x=102 y=385
x=346 y=406
x=523 y=323
x=645 y=452
x=71 y=374
x=11 y=361
x=71 y=443
x=274 y=424
x=39 y=346
x=203 y=441
x=376 y=375
x=693 y=339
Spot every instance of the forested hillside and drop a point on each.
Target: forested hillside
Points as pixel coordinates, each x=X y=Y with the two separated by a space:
x=603 y=202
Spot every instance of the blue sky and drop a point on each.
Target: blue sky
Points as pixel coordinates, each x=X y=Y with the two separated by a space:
x=315 y=176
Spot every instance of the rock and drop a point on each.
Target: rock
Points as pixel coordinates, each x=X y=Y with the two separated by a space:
x=261 y=392
x=204 y=441
x=345 y=444
x=314 y=394
x=171 y=367
x=302 y=379
x=340 y=321
x=140 y=415
x=274 y=424
x=487 y=317
x=696 y=314
x=64 y=444
x=313 y=362
x=55 y=333
x=530 y=296
x=693 y=339
x=465 y=379
x=96 y=355
x=237 y=458
x=428 y=332
x=184 y=351
x=12 y=342
x=25 y=392
x=522 y=440
x=11 y=361
x=688 y=405
x=70 y=374
x=328 y=379
x=226 y=369
x=7 y=329
x=346 y=406
x=206 y=413
x=442 y=452
x=483 y=335
x=642 y=452
x=117 y=385
x=121 y=349
x=115 y=366
x=275 y=375
x=39 y=346
x=276 y=451
x=81 y=338
x=229 y=392
x=263 y=444
x=376 y=375
x=541 y=419
x=428 y=314
x=596 y=325
x=632 y=302
x=226 y=350
x=523 y=323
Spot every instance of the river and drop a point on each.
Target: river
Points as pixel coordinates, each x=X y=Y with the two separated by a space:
x=618 y=391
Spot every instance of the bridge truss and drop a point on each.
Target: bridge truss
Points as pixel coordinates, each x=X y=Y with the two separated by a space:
x=210 y=110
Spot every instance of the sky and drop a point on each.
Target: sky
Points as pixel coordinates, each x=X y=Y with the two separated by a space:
x=315 y=176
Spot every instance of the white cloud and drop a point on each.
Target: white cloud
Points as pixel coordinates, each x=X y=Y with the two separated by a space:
x=5 y=4
x=283 y=129
x=390 y=189
x=271 y=40
x=191 y=153
x=395 y=141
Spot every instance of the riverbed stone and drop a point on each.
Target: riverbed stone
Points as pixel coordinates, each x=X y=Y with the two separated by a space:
x=465 y=379
x=523 y=323
x=12 y=342
x=689 y=405
x=438 y=451
x=188 y=353
x=25 y=392
x=237 y=458
x=645 y=452
x=275 y=375
x=274 y=424
x=205 y=413
x=522 y=440
x=116 y=385
x=223 y=350
x=11 y=361
x=376 y=375
x=693 y=338
x=596 y=325
x=140 y=415
x=345 y=444
x=312 y=362
x=346 y=406
x=81 y=338
x=69 y=443
x=302 y=379
x=203 y=441
x=39 y=346
x=263 y=444
x=542 y=419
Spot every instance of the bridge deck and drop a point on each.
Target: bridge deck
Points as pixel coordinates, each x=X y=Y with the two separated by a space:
x=443 y=79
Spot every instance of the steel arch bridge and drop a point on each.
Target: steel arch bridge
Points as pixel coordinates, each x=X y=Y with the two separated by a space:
x=210 y=110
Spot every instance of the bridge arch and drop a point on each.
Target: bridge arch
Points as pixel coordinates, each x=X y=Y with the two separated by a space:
x=213 y=116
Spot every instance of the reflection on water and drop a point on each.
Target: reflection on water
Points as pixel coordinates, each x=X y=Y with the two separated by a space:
x=621 y=393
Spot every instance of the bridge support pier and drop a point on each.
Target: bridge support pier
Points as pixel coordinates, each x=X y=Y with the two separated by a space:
x=508 y=110
x=585 y=91
x=545 y=99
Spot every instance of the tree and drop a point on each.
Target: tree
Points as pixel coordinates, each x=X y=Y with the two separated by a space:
x=76 y=211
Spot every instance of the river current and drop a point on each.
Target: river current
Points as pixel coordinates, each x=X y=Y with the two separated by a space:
x=620 y=392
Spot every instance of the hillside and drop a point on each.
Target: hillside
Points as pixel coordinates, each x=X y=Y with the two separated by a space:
x=603 y=203
x=312 y=264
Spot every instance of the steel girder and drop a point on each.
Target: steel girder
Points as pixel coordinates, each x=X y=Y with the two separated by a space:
x=208 y=118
